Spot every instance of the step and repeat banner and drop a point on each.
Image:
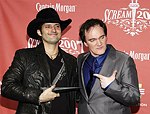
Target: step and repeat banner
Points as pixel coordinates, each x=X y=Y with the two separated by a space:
x=128 y=23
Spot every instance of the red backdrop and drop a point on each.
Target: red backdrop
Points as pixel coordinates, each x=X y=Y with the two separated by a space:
x=128 y=23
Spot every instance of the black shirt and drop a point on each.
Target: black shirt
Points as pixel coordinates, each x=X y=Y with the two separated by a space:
x=61 y=104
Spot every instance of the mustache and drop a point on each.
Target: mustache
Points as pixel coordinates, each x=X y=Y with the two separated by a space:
x=53 y=33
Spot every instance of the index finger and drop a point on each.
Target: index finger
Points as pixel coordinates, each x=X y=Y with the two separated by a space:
x=97 y=75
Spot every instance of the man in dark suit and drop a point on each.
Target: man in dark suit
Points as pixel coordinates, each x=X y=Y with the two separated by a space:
x=108 y=76
x=31 y=77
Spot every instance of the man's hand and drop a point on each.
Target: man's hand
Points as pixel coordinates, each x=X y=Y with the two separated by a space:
x=105 y=81
x=48 y=95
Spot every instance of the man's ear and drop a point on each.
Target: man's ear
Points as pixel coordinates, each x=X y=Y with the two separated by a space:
x=85 y=44
x=39 y=32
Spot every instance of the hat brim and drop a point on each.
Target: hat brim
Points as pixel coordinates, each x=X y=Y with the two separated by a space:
x=34 y=25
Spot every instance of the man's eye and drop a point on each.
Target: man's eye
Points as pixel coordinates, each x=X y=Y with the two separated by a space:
x=57 y=26
x=102 y=37
x=47 y=26
x=92 y=40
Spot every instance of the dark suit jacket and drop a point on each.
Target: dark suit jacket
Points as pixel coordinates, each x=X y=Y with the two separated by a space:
x=28 y=73
x=123 y=91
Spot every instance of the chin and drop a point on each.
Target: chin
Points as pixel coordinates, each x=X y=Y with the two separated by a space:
x=97 y=52
x=101 y=52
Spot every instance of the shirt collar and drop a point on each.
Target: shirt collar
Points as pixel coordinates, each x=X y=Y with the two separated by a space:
x=100 y=58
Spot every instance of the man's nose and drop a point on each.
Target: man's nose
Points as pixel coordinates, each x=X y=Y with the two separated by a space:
x=53 y=28
x=99 y=42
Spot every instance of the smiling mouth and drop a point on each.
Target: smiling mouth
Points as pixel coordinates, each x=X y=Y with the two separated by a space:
x=52 y=34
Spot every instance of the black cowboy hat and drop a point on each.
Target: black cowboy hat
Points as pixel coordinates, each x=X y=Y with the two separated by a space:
x=47 y=15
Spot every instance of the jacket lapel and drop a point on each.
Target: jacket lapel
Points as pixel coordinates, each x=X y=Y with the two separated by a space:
x=107 y=69
x=109 y=64
x=81 y=63
x=67 y=64
x=42 y=59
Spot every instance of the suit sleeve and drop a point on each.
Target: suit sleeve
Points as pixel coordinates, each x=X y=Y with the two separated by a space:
x=125 y=90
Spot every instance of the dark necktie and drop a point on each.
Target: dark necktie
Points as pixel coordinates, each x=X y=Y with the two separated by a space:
x=95 y=69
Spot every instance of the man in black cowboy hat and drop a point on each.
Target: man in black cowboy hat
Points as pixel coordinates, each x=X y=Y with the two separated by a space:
x=36 y=72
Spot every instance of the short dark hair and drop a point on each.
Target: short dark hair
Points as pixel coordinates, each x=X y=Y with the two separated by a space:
x=90 y=23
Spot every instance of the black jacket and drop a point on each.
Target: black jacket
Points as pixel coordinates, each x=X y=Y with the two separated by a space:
x=29 y=72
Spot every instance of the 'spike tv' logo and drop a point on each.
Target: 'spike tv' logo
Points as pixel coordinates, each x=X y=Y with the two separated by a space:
x=132 y=19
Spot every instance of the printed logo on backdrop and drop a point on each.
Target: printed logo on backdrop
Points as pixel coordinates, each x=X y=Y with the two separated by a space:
x=142 y=56
x=73 y=47
x=57 y=6
x=132 y=19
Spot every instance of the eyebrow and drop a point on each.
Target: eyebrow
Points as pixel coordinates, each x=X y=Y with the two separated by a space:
x=102 y=35
x=98 y=37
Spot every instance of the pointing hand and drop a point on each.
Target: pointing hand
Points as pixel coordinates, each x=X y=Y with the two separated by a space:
x=105 y=81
